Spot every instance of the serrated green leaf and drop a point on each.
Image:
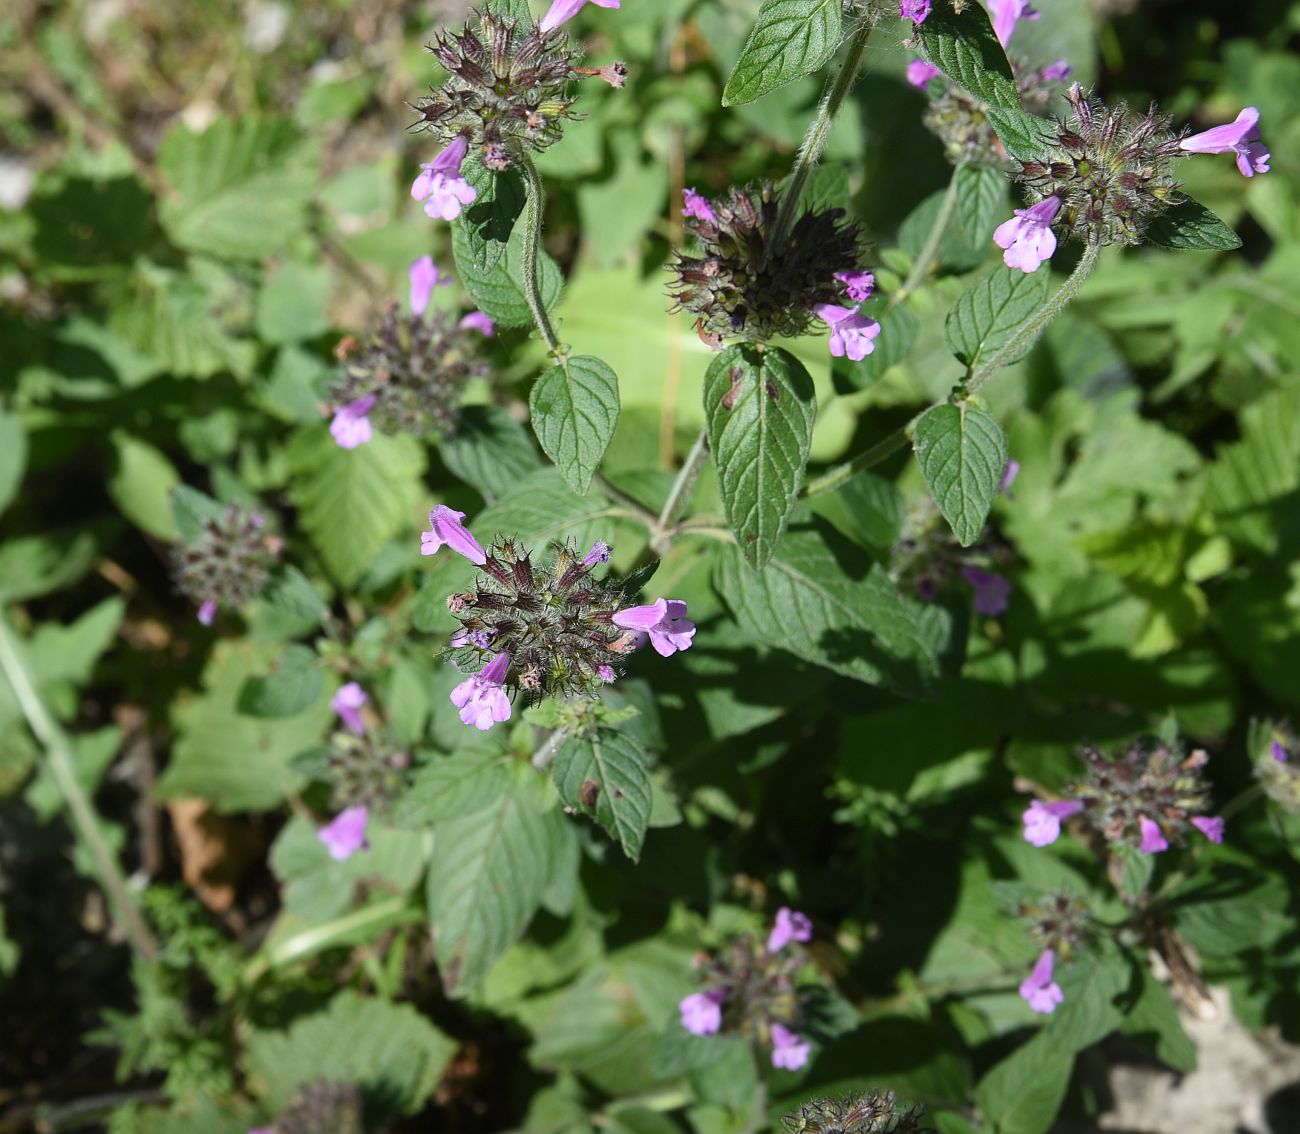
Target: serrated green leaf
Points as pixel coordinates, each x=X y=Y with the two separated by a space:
x=499 y=292
x=289 y=608
x=981 y=202
x=962 y=45
x=790 y=39
x=990 y=313
x=487 y=223
x=1153 y=1019
x=574 y=408
x=353 y=501
x=760 y=410
x=294 y=683
x=1191 y=227
x=490 y=451
x=291 y=304
x=140 y=485
x=607 y=776
x=1024 y=135
x=37 y=565
x=823 y=600
x=1022 y=1094
x=963 y=455
x=13 y=456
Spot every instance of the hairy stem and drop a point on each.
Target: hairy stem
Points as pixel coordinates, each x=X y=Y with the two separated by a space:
x=840 y=474
x=532 y=250
x=59 y=759
x=814 y=141
x=977 y=378
x=679 y=496
x=545 y=755
x=928 y=255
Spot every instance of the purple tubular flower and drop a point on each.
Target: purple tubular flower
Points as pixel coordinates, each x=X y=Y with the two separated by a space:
x=1240 y=137
x=1027 y=238
x=1006 y=14
x=1276 y=750
x=664 y=620
x=702 y=1012
x=346 y=834
x=1153 y=839
x=1060 y=70
x=1009 y=475
x=562 y=11
x=920 y=72
x=914 y=10
x=480 y=638
x=788 y=1050
x=448 y=529
x=1209 y=826
x=857 y=285
x=207 y=612
x=351 y=425
x=697 y=206
x=992 y=592
x=347 y=703
x=1038 y=989
x=851 y=333
x=599 y=553
x=790 y=925
x=440 y=185
x=481 y=700
x=1043 y=820
x=424 y=277
x=479 y=321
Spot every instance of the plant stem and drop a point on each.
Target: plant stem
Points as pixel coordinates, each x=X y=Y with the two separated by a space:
x=532 y=249
x=687 y=478
x=925 y=260
x=545 y=756
x=59 y=759
x=814 y=141
x=829 y=481
x=976 y=379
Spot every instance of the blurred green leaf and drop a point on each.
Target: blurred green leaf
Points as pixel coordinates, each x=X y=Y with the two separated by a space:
x=490 y=451
x=294 y=683
x=141 y=484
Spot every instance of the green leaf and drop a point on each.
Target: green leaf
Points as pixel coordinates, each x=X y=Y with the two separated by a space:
x=486 y=225
x=760 y=410
x=1191 y=227
x=989 y=314
x=1091 y=983
x=37 y=565
x=963 y=46
x=1024 y=135
x=607 y=776
x=192 y=510
x=294 y=683
x=141 y=484
x=353 y=501
x=1154 y=1020
x=390 y=1051
x=289 y=608
x=490 y=451
x=822 y=599
x=963 y=454
x=790 y=39
x=291 y=305
x=981 y=203
x=499 y=292
x=493 y=857
x=240 y=189
x=574 y=409
x=1022 y=1094
x=13 y=456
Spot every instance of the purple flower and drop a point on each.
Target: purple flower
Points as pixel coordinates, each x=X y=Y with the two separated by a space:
x=562 y=11
x=1043 y=820
x=424 y=277
x=992 y=592
x=207 y=612
x=788 y=1050
x=480 y=638
x=481 y=700
x=1209 y=826
x=851 y=333
x=1060 y=70
x=1038 y=989
x=790 y=925
x=448 y=529
x=346 y=834
x=1006 y=14
x=1027 y=237
x=702 y=1012
x=857 y=285
x=479 y=321
x=599 y=553
x=1240 y=136
x=440 y=185
x=920 y=72
x=351 y=425
x=1153 y=839
x=347 y=703
x=914 y=10
x=664 y=620
x=697 y=206
x=1009 y=475
x=1276 y=750
x=606 y=674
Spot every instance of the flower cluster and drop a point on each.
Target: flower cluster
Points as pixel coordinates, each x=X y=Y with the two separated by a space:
x=229 y=564
x=542 y=631
x=1277 y=766
x=741 y=285
x=1144 y=797
x=410 y=375
x=1059 y=925
x=751 y=991
x=868 y=1113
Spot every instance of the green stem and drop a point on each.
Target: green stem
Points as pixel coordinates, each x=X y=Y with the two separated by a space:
x=59 y=759
x=976 y=379
x=814 y=141
x=688 y=476
x=928 y=255
x=840 y=474
x=532 y=250
x=545 y=756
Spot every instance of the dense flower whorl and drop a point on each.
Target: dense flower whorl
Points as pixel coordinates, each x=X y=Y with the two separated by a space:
x=868 y=1113
x=1277 y=765
x=364 y=769
x=228 y=565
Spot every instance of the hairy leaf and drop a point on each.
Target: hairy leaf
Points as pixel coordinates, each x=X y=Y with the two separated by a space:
x=1191 y=227
x=790 y=39
x=499 y=291
x=962 y=45
x=963 y=455
x=574 y=409
x=607 y=776
x=991 y=311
